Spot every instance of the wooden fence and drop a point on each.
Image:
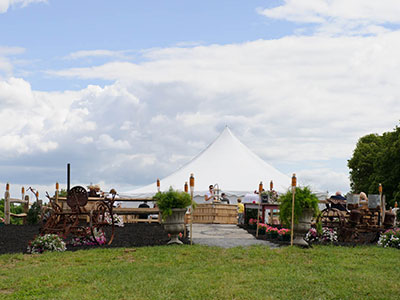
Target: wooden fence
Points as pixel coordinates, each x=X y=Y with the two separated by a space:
x=24 y=201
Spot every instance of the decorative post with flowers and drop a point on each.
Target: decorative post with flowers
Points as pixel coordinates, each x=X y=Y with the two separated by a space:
x=191 y=182
x=292 y=221
x=260 y=188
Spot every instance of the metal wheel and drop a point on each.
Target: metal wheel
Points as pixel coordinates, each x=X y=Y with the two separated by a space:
x=331 y=218
x=77 y=196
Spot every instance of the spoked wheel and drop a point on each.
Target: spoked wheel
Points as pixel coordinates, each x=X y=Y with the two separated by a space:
x=102 y=222
x=331 y=218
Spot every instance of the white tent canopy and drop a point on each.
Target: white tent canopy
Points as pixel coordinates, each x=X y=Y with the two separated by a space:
x=226 y=162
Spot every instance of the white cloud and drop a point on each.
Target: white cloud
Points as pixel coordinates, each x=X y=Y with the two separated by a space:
x=294 y=101
x=96 y=53
x=339 y=16
x=6 y=65
x=324 y=180
x=6 y=4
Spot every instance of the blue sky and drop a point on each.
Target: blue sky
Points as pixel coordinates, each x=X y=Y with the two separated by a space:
x=50 y=31
x=128 y=91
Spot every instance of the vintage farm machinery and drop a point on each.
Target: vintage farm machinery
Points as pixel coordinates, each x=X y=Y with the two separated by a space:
x=361 y=222
x=78 y=221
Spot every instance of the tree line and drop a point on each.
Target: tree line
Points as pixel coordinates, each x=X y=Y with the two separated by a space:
x=376 y=159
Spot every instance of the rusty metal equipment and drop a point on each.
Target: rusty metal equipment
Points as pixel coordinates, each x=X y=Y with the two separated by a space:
x=74 y=221
x=359 y=223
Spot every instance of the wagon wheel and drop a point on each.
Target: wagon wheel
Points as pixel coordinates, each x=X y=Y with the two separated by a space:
x=331 y=218
x=101 y=220
x=77 y=196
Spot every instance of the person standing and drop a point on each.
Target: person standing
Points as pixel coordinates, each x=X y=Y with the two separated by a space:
x=210 y=194
x=240 y=210
x=144 y=205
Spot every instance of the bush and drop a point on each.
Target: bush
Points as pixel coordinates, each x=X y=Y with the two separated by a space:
x=15 y=209
x=304 y=198
x=33 y=215
x=166 y=201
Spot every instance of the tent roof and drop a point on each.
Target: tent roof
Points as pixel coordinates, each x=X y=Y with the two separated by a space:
x=227 y=162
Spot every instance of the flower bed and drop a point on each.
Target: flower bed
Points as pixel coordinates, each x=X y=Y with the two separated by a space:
x=46 y=242
x=273 y=233
x=328 y=236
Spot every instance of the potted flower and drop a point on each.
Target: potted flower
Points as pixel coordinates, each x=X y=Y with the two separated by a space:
x=173 y=205
x=1 y=221
x=305 y=207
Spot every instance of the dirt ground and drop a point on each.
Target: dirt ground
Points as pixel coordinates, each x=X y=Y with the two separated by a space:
x=15 y=238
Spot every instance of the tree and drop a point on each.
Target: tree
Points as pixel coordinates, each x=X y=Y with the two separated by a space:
x=376 y=159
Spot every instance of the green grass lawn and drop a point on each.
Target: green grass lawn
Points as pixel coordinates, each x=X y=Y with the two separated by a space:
x=200 y=272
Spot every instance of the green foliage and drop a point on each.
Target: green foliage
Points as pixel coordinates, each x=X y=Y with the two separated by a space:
x=166 y=201
x=304 y=198
x=33 y=215
x=62 y=193
x=376 y=159
x=14 y=208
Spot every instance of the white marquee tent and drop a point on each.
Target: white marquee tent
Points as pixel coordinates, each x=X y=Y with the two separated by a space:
x=226 y=162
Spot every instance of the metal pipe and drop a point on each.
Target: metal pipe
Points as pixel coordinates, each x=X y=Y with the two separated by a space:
x=68 y=176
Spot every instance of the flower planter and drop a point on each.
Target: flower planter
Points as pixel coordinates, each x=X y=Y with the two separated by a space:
x=174 y=224
x=302 y=227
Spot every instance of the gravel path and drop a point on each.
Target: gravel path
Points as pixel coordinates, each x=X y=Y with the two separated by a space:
x=225 y=236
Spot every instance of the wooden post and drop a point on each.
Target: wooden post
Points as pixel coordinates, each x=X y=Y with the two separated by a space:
x=24 y=204
x=292 y=221
x=382 y=204
x=57 y=192
x=191 y=182
x=7 y=205
x=260 y=188
x=26 y=208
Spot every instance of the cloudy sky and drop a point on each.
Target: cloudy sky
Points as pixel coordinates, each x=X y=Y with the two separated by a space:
x=129 y=91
